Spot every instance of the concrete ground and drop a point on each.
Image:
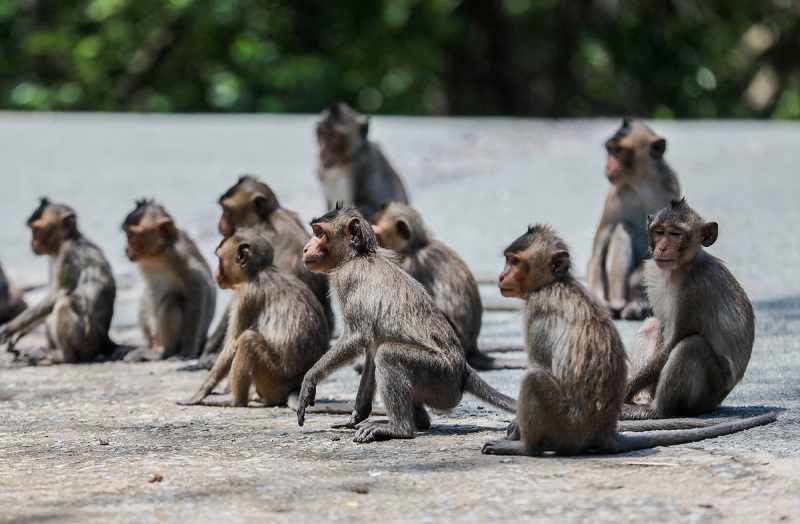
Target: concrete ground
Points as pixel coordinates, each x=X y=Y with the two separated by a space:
x=106 y=442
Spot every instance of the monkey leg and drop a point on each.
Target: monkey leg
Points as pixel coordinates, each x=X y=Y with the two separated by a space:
x=408 y=378
x=75 y=333
x=689 y=383
x=255 y=361
x=169 y=319
x=619 y=263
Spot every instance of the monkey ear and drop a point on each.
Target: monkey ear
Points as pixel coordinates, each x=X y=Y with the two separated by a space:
x=559 y=264
x=363 y=126
x=243 y=254
x=657 y=148
x=650 y=219
x=68 y=222
x=167 y=228
x=403 y=230
x=709 y=233
x=355 y=234
x=260 y=205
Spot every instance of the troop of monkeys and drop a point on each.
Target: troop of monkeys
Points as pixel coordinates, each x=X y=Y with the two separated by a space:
x=410 y=306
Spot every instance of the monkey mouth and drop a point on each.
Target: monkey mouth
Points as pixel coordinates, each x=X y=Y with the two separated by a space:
x=663 y=260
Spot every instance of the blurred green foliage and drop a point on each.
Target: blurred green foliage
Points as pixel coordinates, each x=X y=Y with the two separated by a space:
x=569 y=58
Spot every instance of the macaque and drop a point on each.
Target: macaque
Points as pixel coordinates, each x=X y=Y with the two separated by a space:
x=641 y=183
x=276 y=331
x=177 y=305
x=12 y=302
x=443 y=274
x=79 y=304
x=251 y=203
x=690 y=355
x=572 y=393
x=351 y=168
x=413 y=355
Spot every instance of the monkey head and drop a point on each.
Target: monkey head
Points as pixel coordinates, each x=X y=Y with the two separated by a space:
x=247 y=203
x=632 y=147
x=50 y=225
x=341 y=131
x=533 y=261
x=338 y=236
x=149 y=229
x=677 y=234
x=241 y=257
x=400 y=228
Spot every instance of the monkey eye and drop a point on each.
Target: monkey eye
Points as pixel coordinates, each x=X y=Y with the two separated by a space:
x=658 y=231
x=675 y=232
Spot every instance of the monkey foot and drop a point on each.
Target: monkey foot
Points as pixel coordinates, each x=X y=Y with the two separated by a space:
x=504 y=447
x=373 y=432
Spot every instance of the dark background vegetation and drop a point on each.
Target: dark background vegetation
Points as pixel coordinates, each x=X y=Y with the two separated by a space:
x=567 y=58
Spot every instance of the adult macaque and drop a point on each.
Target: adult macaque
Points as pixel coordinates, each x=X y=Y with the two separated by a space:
x=79 y=305
x=351 y=168
x=688 y=357
x=641 y=183
x=12 y=302
x=277 y=328
x=443 y=274
x=413 y=356
x=572 y=393
x=178 y=303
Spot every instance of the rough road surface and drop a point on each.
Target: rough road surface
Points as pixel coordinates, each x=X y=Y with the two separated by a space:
x=107 y=442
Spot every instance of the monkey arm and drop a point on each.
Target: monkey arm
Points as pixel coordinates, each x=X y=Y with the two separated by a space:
x=344 y=351
x=26 y=321
x=649 y=374
x=216 y=341
x=364 y=397
x=219 y=371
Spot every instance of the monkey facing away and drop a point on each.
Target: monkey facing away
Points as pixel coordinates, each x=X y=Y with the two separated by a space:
x=443 y=274
x=78 y=307
x=413 y=356
x=572 y=393
x=351 y=168
x=276 y=331
x=178 y=302
x=641 y=183
x=696 y=348
x=12 y=302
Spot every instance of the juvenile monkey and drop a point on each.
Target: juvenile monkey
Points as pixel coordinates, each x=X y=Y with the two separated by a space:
x=351 y=168
x=413 y=356
x=641 y=183
x=696 y=348
x=572 y=393
x=80 y=302
x=11 y=301
x=443 y=274
x=276 y=331
x=178 y=303
x=251 y=203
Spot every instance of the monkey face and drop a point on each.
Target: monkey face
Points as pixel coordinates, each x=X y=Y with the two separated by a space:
x=229 y=272
x=316 y=254
x=47 y=233
x=514 y=281
x=148 y=238
x=332 y=145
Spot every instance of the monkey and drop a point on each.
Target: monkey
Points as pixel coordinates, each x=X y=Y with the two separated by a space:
x=691 y=354
x=177 y=305
x=250 y=203
x=641 y=182
x=276 y=331
x=572 y=393
x=353 y=169
x=12 y=302
x=443 y=274
x=413 y=355
x=79 y=304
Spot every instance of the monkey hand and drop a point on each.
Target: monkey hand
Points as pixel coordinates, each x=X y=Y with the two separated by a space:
x=308 y=393
x=5 y=335
x=350 y=423
x=196 y=400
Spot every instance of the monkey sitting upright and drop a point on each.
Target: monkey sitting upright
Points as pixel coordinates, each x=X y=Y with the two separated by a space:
x=12 y=302
x=696 y=348
x=413 y=355
x=251 y=203
x=572 y=393
x=641 y=183
x=178 y=303
x=443 y=274
x=80 y=302
x=277 y=328
x=351 y=168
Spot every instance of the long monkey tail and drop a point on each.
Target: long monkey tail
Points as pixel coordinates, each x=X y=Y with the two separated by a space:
x=475 y=385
